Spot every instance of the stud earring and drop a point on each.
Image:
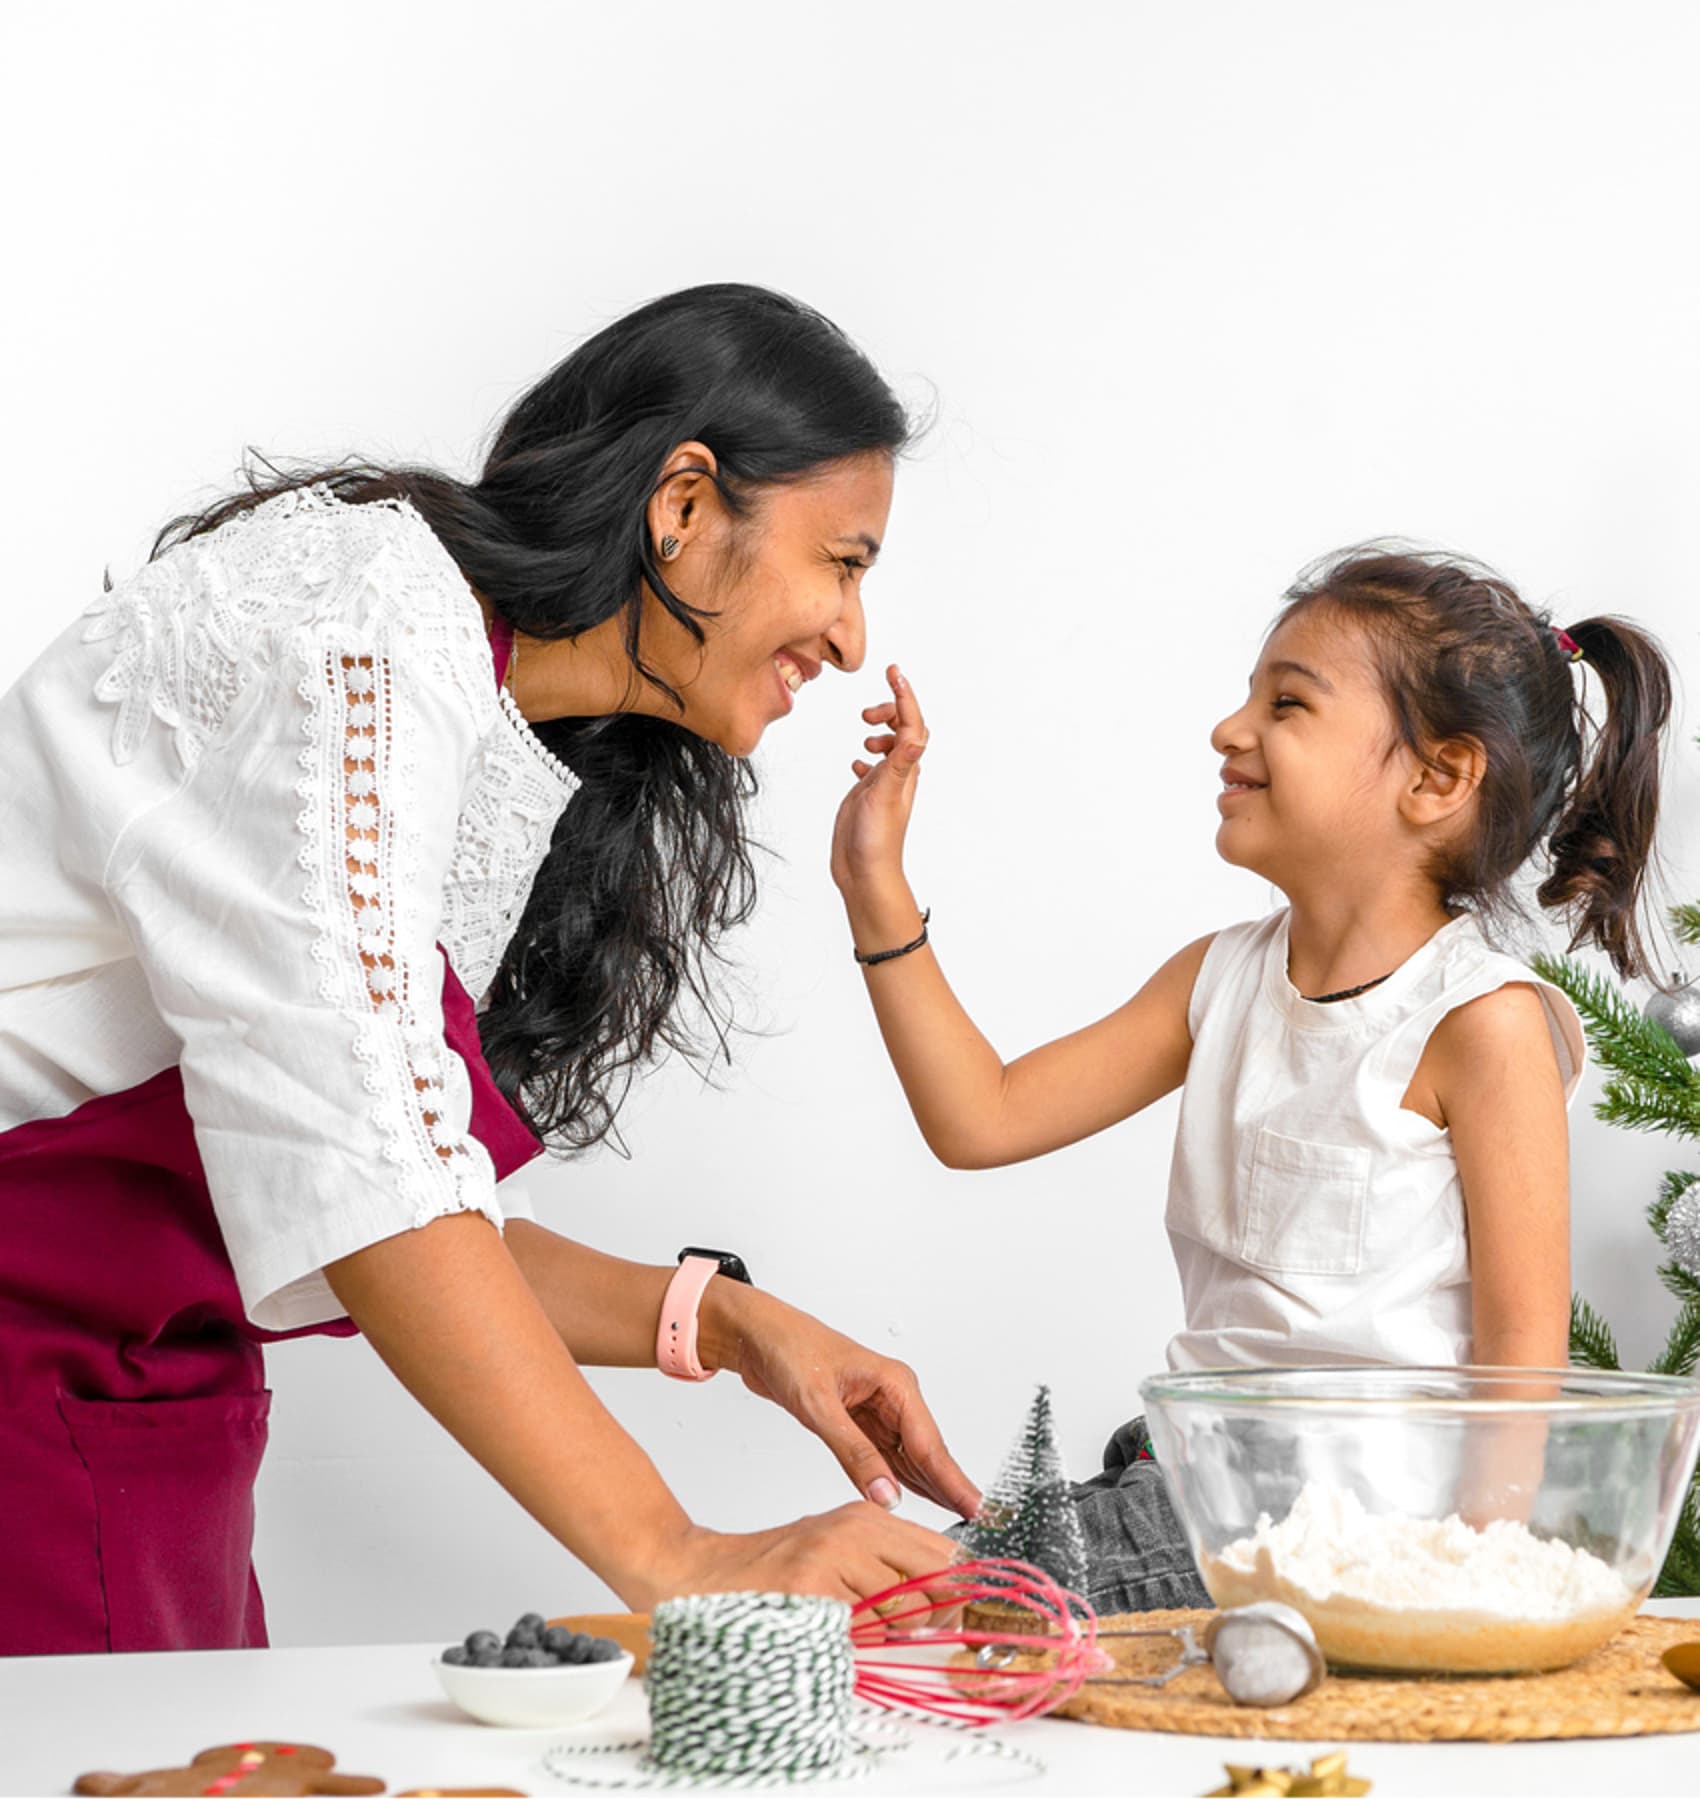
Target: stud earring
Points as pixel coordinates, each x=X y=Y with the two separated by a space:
x=669 y=548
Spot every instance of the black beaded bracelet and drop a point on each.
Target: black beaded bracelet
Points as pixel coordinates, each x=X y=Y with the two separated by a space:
x=879 y=956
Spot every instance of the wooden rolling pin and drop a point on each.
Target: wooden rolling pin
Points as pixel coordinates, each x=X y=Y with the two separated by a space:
x=629 y=1630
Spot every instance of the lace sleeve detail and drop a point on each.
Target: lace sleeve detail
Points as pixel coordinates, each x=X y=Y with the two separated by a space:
x=324 y=673
x=375 y=924
x=187 y=629
x=190 y=631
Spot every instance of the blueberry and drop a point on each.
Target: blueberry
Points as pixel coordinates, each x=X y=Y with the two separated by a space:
x=576 y=1649
x=603 y=1650
x=530 y=1622
x=456 y=1653
x=478 y=1643
x=525 y=1637
x=514 y=1657
x=489 y=1659
x=539 y=1659
x=556 y=1640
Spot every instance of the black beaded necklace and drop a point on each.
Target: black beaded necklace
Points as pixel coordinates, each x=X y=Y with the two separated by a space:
x=1363 y=987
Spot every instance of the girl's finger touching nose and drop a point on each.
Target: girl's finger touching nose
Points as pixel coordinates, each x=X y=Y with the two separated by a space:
x=911 y=727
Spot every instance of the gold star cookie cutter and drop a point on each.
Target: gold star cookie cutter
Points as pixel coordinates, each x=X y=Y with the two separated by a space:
x=1326 y=1775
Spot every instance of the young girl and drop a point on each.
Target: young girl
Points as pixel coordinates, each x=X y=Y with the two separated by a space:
x=1371 y=1160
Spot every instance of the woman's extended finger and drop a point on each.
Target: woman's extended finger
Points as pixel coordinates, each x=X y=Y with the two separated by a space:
x=879 y=745
x=883 y=714
x=943 y=1479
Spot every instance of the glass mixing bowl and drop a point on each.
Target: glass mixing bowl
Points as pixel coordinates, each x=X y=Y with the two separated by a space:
x=1468 y=1520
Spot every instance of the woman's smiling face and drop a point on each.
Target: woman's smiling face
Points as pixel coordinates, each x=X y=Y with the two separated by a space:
x=783 y=583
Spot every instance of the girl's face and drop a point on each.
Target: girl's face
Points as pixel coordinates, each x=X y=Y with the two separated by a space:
x=785 y=586
x=1314 y=772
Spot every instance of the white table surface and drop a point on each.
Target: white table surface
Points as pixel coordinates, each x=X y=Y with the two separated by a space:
x=380 y=1710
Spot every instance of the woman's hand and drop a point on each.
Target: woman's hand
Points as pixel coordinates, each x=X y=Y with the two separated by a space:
x=848 y=1554
x=867 y=839
x=518 y=1402
x=866 y=1409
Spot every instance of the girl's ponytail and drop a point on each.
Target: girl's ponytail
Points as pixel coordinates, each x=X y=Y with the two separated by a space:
x=1602 y=843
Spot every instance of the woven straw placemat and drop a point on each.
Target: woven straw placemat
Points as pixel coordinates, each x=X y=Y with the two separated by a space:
x=1622 y=1690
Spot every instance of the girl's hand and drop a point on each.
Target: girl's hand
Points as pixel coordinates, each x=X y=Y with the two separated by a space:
x=867 y=1409
x=849 y=1554
x=867 y=839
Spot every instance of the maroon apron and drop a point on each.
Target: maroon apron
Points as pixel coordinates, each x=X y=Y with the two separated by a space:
x=132 y=1387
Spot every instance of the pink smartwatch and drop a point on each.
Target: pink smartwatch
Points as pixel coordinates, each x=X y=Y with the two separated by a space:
x=676 y=1331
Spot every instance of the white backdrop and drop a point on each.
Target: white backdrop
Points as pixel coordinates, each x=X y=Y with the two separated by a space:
x=1201 y=292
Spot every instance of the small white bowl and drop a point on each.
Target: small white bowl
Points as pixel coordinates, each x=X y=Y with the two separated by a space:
x=561 y=1695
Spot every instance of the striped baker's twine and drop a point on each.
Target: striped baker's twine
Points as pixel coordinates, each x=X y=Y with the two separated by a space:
x=752 y=1690
x=750 y=1684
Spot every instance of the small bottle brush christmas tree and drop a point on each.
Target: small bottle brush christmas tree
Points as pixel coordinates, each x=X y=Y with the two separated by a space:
x=1029 y=1516
x=1653 y=1087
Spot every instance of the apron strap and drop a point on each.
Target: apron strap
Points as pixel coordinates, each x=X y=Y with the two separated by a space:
x=501 y=647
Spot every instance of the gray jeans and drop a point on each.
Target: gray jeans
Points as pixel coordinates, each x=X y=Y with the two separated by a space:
x=1136 y=1552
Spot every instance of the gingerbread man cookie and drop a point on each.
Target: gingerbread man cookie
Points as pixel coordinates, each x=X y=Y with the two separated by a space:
x=260 y=1767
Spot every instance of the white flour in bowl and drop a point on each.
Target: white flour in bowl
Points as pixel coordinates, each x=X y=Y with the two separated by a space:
x=1382 y=1590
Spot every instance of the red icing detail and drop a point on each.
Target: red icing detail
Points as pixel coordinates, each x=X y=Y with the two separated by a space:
x=286 y=1750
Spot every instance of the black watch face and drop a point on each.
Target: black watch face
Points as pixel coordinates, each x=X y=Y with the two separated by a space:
x=731 y=1265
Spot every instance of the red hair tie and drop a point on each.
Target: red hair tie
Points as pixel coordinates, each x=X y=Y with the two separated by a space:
x=1567 y=643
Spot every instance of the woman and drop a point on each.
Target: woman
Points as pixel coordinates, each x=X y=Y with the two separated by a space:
x=272 y=824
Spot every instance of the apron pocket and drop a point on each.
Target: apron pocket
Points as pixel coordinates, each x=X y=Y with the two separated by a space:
x=1305 y=1210
x=173 y=1485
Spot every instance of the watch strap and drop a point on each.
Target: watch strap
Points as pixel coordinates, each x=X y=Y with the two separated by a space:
x=676 y=1331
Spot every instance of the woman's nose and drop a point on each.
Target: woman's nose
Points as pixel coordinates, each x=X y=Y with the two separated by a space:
x=847 y=636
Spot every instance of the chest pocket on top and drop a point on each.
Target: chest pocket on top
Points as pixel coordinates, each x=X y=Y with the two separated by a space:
x=1305 y=1209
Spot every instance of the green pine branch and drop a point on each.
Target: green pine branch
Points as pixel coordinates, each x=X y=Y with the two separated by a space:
x=1592 y=1345
x=1678 y=1281
x=1679 y=1579
x=1623 y=1038
x=1645 y=1106
x=1685 y=922
x=1680 y=1576
x=1682 y=1347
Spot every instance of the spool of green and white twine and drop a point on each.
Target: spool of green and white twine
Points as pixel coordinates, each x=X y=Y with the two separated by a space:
x=749 y=1685
x=755 y=1690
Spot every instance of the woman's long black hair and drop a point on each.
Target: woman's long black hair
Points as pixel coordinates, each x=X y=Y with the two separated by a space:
x=650 y=864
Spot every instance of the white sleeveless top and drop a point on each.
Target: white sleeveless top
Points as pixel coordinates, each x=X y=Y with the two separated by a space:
x=1313 y=1219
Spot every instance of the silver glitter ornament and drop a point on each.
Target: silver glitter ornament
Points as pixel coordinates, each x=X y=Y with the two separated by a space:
x=1679 y=1013
x=1264 y=1654
x=1682 y=1232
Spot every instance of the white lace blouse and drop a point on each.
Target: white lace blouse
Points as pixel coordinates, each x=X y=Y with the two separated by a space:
x=244 y=800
